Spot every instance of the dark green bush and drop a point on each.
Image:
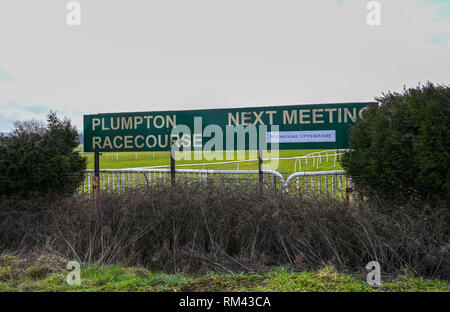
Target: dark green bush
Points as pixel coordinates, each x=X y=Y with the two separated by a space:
x=402 y=147
x=38 y=158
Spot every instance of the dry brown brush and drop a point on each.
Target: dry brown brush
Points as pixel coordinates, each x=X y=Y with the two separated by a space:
x=197 y=227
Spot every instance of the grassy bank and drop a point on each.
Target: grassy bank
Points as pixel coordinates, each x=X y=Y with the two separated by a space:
x=50 y=275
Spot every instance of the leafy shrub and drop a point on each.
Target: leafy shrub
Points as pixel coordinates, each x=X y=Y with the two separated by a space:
x=402 y=146
x=37 y=158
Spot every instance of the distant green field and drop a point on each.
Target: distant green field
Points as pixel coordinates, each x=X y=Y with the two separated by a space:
x=150 y=159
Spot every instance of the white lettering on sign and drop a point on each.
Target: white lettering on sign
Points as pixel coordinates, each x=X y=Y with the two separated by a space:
x=132 y=123
x=250 y=118
x=301 y=136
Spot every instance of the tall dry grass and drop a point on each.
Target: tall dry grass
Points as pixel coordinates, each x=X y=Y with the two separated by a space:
x=195 y=228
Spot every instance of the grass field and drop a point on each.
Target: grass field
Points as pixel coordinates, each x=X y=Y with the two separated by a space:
x=149 y=159
x=14 y=276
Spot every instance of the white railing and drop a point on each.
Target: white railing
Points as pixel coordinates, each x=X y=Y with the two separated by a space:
x=121 y=179
x=317 y=184
x=315 y=159
x=314 y=184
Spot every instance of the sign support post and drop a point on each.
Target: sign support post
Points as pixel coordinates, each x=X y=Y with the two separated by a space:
x=96 y=179
x=260 y=172
x=349 y=191
x=172 y=168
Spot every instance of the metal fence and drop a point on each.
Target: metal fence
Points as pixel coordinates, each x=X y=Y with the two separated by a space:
x=121 y=179
x=330 y=184
x=312 y=184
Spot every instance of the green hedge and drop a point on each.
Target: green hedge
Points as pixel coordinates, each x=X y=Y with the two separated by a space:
x=403 y=145
x=38 y=158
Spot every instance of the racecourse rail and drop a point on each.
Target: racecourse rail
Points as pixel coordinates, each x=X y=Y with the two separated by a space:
x=331 y=184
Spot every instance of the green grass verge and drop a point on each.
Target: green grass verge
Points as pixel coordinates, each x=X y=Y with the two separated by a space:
x=19 y=275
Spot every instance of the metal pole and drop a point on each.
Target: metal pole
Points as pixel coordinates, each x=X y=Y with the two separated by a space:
x=260 y=172
x=349 y=190
x=172 y=168
x=96 y=178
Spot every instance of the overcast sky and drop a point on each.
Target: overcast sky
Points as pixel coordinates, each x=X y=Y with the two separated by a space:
x=145 y=55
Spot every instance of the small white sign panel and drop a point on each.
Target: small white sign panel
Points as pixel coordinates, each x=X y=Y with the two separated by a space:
x=301 y=136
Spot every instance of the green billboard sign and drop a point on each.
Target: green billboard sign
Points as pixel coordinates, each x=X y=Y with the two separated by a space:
x=319 y=126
